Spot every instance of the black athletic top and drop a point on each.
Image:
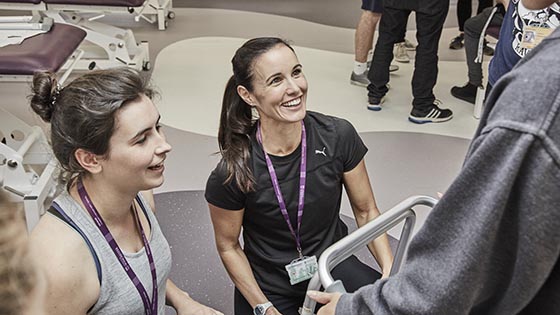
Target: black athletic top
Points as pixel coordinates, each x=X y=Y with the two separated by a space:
x=333 y=148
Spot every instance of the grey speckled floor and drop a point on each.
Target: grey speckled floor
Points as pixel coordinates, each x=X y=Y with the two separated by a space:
x=197 y=268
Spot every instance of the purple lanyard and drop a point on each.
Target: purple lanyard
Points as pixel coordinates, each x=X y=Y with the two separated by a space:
x=276 y=185
x=151 y=308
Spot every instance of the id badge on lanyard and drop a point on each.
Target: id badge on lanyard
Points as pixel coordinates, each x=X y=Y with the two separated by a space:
x=533 y=35
x=301 y=268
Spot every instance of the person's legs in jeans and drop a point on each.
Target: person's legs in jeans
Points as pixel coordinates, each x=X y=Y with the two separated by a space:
x=429 y=27
x=402 y=46
x=391 y=28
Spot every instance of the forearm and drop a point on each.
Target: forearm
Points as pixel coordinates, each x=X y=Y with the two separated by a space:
x=379 y=247
x=381 y=250
x=239 y=270
x=176 y=297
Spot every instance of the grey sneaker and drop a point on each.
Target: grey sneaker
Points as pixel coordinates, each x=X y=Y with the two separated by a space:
x=362 y=79
x=359 y=79
x=401 y=55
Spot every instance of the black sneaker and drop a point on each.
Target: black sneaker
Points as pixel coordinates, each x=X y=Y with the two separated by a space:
x=466 y=93
x=457 y=42
x=374 y=103
x=487 y=50
x=433 y=114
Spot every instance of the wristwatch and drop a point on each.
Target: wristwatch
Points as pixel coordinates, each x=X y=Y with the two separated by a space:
x=260 y=309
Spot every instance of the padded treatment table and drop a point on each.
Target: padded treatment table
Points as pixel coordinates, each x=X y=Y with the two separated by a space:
x=150 y=10
x=22 y=1
x=44 y=52
x=108 y=3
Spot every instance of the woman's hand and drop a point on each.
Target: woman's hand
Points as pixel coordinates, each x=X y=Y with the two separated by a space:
x=272 y=311
x=184 y=304
x=328 y=299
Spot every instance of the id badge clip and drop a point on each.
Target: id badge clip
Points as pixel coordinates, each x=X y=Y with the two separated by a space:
x=302 y=269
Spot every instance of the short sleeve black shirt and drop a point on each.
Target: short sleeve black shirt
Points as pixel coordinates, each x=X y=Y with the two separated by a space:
x=333 y=148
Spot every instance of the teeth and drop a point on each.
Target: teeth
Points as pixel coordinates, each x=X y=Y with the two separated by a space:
x=157 y=165
x=295 y=102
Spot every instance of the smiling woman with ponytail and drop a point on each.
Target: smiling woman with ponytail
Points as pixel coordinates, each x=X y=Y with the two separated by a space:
x=272 y=183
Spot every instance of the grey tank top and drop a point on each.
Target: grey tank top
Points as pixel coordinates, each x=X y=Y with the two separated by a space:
x=118 y=296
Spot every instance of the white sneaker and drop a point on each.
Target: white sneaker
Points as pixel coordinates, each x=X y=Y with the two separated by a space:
x=400 y=53
x=409 y=45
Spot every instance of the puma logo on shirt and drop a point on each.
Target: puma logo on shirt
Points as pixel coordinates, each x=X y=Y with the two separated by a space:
x=321 y=151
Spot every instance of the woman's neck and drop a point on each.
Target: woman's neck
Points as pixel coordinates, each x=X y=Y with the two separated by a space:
x=112 y=204
x=281 y=139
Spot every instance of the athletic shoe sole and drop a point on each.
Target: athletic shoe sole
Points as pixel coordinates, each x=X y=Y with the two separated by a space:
x=423 y=120
x=376 y=107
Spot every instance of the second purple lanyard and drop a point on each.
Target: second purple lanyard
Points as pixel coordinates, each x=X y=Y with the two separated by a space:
x=276 y=185
x=151 y=308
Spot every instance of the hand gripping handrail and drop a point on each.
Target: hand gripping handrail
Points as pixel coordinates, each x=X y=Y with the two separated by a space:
x=342 y=249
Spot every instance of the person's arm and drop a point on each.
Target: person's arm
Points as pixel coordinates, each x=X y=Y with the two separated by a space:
x=183 y=303
x=68 y=265
x=365 y=209
x=227 y=228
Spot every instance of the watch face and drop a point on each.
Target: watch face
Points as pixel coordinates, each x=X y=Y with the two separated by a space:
x=259 y=310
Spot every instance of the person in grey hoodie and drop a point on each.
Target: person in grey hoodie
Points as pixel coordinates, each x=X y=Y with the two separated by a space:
x=492 y=243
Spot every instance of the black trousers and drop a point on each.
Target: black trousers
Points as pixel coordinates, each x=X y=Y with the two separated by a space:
x=429 y=24
x=353 y=273
x=464 y=10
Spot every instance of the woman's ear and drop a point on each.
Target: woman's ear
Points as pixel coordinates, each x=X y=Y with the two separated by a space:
x=246 y=95
x=89 y=161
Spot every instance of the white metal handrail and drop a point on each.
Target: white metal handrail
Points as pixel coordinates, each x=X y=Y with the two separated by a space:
x=342 y=249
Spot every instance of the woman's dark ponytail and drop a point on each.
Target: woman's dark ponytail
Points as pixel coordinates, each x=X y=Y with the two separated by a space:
x=234 y=137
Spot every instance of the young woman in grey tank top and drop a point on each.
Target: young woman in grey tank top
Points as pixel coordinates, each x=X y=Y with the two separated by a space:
x=103 y=250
